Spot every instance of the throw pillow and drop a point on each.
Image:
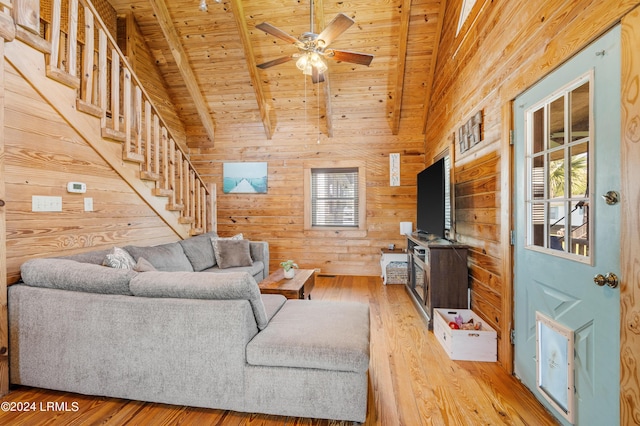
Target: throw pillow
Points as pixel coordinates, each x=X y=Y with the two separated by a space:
x=216 y=238
x=119 y=259
x=165 y=257
x=143 y=265
x=199 y=251
x=231 y=253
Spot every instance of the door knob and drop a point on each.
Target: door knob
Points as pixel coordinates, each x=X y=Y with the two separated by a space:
x=610 y=279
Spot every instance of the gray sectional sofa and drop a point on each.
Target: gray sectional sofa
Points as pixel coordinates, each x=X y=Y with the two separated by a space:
x=187 y=338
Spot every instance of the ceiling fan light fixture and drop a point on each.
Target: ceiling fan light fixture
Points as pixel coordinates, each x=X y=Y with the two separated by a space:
x=318 y=63
x=302 y=62
x=203 y=6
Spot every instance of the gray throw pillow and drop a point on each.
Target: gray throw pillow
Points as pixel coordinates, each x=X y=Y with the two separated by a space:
x=231 y=253
x=119 y=259
x=165 y=257
x=143 y=265
x=199 y=251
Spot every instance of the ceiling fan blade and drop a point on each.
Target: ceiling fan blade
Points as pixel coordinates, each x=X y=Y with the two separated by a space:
x=278 y=61
x=337 y=26
x=352 y=57
x=317 y=77
x=276 y=32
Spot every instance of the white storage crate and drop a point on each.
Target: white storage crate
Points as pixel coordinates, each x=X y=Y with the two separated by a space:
x=465 y=345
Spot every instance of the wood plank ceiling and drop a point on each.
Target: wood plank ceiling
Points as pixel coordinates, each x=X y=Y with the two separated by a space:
x=208 y=61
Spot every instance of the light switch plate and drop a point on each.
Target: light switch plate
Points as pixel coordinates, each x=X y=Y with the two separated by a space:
x=88 y=204
x=43 y=203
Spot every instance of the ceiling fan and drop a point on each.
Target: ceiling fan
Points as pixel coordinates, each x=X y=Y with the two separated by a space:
x=313 y=48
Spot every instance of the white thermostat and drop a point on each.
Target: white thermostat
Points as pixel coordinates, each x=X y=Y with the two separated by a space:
x=78 y=187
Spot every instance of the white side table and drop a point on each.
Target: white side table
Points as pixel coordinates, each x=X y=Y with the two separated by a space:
x=387 y=256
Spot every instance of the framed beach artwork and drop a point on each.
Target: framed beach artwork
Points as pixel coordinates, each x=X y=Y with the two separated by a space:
x=244 y=178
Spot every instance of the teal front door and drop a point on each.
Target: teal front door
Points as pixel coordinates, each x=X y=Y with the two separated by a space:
x=567 y=231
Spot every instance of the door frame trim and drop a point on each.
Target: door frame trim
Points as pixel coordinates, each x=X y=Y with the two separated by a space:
x=506 y=349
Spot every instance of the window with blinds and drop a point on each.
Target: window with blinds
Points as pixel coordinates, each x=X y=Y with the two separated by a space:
x=334 y=197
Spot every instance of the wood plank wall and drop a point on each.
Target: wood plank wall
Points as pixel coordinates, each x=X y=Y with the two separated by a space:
x=510 y=46
x=42 y=154
x=362 y=132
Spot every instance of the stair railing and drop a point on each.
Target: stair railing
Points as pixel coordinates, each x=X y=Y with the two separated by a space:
x=82 y=54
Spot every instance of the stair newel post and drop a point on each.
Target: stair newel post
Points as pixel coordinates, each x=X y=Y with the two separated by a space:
x=212 y=219
x=126 y=113
x=172 y=173
x=137 y=124
x=192 y=207
x=156 y=144
x=203 y=208
x=179 y=185
x=87 y=90
x=115 y=90
x=72 y=39
x=197 y=207
x=164 y=152
x=148 y=132
x=54 y=36
x=186 y=185
x=103 y=91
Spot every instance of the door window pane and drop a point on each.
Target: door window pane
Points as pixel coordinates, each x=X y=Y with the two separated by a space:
x=558 y=173
x=580 y=112
x=556 y=123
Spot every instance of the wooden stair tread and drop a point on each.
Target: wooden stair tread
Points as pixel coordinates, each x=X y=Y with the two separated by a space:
x=175 y=207
x=144 y=175
x=161 y=192
x=114 y=135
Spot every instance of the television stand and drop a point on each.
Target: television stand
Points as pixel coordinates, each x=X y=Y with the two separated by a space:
x=425 y=236
x=437 y=275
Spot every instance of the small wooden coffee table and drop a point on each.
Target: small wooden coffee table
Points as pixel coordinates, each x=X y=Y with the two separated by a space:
x=294 y=288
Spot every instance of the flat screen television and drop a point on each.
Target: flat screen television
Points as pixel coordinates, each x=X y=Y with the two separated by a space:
x=433 y=203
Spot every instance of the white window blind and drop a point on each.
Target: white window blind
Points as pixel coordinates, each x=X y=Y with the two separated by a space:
x=334 y=197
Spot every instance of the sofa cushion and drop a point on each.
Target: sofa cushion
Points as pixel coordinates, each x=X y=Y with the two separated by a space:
x=65 y=274
x=272 y=304
x=94 y=256
x=119 y=258
x=199 y=251
x=256 y=268
x=232 y=253
x=165 y=257
x=323 y=335
x=195 y=285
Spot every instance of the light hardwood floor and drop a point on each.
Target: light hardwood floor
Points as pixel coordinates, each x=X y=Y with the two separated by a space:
x=412 y=381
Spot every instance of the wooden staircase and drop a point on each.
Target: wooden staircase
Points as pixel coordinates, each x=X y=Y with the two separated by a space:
x=77 y=67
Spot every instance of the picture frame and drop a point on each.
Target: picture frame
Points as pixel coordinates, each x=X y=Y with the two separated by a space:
x=244 y=178
x=555 y=365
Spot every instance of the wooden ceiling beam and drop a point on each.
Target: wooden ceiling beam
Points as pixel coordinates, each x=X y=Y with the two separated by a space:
x=182 y=62
x=432 y=70
x=328 y=110
x=263 y=106
x=405 y=19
